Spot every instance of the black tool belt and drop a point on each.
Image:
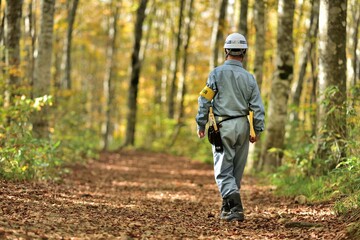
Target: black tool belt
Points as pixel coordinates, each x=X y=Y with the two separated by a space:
x=220 y=119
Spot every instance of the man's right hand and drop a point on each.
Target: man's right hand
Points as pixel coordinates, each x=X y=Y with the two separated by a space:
x=201 y=133
x=253 y=139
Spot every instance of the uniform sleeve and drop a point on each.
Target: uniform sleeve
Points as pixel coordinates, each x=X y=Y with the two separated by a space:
x=204 y=102
x=256 y=105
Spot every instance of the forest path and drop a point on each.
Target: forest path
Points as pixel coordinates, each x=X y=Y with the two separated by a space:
x=139 y=195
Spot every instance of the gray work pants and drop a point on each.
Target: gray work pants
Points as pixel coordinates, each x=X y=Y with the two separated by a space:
x=230 y=164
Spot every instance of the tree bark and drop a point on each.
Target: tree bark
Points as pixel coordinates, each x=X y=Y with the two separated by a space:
x=243 y=29
x=173 y=84
x=12 y=44
x=42 y=74
x=109 y=75
x=331 y=132
x=218 y=34
x=66 y=61
x=135 y=74
x=280 y=88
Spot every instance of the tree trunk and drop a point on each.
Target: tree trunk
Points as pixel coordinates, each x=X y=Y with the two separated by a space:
x=159 y=62
x=259 y=22
x=309 y=43
x=354 y=41
x=29 y=50
x=66 y=61
x=33 y=43
x=2 y=27
x=135 y=74
x=332 y=82
x=182 y=83
x=259 y=18
x=109 y=75
x=2 y=51
x=12 y=44
x=218 y=34
x=173 y=86
x=243 y=29
x=280 y=87
x=42 y=74
x=313 y=97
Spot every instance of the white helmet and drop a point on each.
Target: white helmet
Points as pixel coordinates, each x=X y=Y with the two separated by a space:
x=235 y=41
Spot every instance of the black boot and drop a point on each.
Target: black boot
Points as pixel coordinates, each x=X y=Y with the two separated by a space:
x=225 y=208
x=236 y=209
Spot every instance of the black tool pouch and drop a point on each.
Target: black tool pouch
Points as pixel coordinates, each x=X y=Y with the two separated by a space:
x=214 y=138
x=211 y=134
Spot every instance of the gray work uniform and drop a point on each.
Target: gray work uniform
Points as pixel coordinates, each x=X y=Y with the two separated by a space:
x=236 y=92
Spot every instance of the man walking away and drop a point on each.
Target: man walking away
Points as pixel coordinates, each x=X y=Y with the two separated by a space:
x=232 y=92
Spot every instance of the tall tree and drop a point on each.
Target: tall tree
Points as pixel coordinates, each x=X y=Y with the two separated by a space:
x=243 y=29
x=332 y=82
x=135 y=74
x=42 y=74
x=182 y=83
x=160 y=26
x=173 y=84
x=66 y=61
x=109 y=73
x=306 y=52
x=280 y=87
x=354 y=40
x=12 y=44
x=28 y=39
x=259 y=22
x=218 y=34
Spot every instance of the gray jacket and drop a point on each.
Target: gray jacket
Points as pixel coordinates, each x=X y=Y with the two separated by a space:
x=236 y=92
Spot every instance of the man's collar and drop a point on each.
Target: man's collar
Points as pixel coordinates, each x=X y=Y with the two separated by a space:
x=233 y=62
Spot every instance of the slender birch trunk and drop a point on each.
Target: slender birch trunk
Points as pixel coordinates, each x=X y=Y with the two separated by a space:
x=66 y=60
x=182 y=82
x=109 y=76
x=173 y=84
x=217 y=37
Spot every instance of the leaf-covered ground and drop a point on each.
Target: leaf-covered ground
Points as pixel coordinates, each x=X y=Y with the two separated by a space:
x=139 y=195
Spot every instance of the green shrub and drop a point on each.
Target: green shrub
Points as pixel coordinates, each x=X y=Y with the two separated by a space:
x=21 y=155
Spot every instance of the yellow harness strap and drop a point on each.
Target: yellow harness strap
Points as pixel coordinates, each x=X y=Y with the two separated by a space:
x=207 y=93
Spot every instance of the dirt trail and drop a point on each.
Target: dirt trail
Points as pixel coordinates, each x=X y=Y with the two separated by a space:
x=139 y=195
